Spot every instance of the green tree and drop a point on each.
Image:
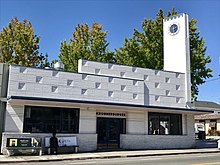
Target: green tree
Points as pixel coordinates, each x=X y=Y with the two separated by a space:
x=85 y=43
x=19 y=44
x=45 y=62
x=145 y=49
x=199 y=60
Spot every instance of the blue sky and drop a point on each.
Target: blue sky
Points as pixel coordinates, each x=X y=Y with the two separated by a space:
x=54 y=21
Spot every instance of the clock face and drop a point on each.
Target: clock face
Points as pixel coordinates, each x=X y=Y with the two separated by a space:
x=174 y=29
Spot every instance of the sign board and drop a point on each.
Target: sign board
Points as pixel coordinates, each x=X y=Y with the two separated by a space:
x=212 y=124
x=63 y=141
x=199 y=127
x=23 y=142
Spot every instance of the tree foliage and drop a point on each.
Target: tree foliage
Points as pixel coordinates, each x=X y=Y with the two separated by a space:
x=19 y=44
x=85 y=43
x=198 y=58
x=145 y=49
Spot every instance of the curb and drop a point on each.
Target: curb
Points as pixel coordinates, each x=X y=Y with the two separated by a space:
x=105 y=157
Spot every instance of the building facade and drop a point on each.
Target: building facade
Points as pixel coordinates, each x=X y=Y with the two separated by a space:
x=210 y=123
x=106 y=105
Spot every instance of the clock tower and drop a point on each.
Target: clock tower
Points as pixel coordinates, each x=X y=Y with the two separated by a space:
x=176 y=48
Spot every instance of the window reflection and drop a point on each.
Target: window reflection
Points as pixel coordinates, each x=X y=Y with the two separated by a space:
x=165 y=124
x=48 y=119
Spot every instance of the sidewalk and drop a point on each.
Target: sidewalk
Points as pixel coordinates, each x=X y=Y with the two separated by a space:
x=101 y=155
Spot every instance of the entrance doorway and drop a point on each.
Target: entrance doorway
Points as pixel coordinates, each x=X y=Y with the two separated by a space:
x=109 y=130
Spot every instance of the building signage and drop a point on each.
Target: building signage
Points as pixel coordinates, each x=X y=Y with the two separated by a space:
x=63 y=141
x=23 y=142
x=111 y=114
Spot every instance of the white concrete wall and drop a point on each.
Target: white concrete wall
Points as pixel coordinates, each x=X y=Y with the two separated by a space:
x=190 y=125
x=168 y=87
x=175 y=46
x=144 y=141
x=87 y=121
x=156 y=141
x=87 y=142
x=73 y=86
x=135 y=123
x=14 y=118
x=177 y=50
x=119 y=84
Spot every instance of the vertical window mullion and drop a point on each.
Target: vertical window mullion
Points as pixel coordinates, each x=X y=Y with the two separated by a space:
x=169 y=125
x=159 y=132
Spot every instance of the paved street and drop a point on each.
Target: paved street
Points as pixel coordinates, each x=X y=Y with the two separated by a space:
x=189 y=159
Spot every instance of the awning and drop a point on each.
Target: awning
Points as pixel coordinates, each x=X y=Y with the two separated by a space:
x=104 y=104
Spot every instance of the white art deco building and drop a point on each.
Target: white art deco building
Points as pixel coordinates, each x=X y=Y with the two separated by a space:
x=105 y=105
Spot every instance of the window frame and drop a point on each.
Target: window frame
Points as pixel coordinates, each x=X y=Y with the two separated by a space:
x=39 y=119
x=155 y=127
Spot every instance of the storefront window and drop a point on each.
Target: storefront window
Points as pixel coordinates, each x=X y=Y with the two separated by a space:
x=165 y=124
x=48 y=119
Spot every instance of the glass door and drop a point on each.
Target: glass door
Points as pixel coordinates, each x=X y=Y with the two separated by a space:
x=108 y=130
x=113 y=133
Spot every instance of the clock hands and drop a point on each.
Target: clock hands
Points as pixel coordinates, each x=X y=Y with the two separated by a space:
x=173 y=28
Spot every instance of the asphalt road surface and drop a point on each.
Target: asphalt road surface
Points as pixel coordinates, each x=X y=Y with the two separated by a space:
x=188 y=159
